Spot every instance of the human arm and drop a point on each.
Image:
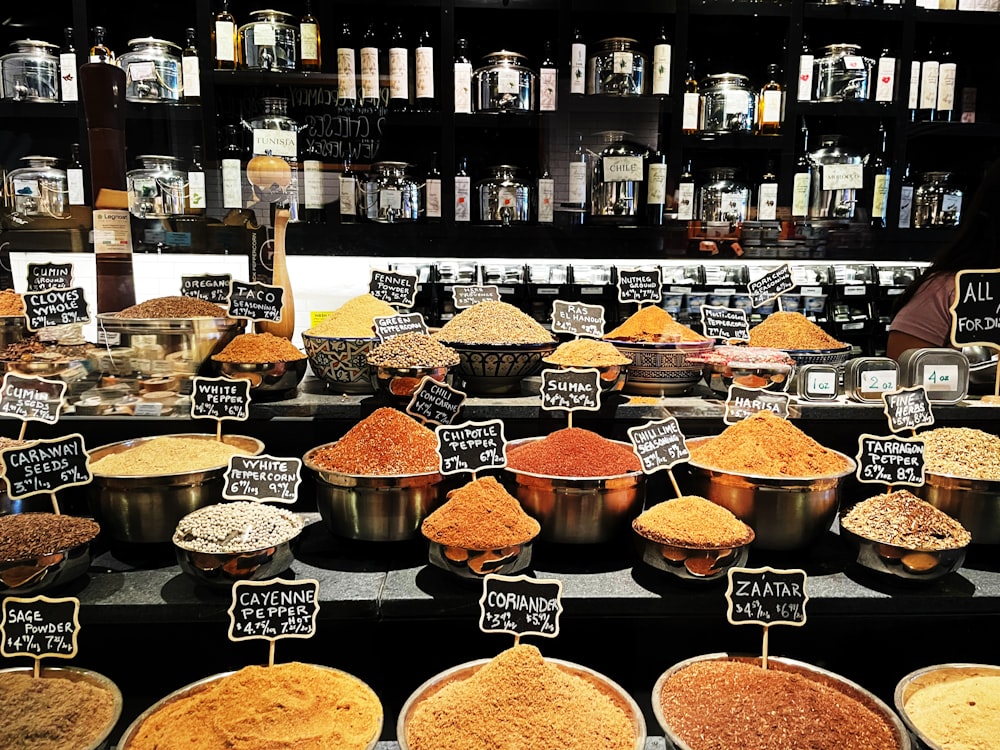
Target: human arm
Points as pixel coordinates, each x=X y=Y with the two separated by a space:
x=899 y=342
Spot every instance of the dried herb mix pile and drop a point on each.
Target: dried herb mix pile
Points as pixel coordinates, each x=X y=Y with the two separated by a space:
x=904 y=520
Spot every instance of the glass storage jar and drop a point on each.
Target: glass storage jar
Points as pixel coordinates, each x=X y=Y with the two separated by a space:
x=38 y=190
x=617 y=193
x=728 y=104
x=842 y=73
x=156 y=188
x=617 y=66
x=837 y=176
x=152 y=70
x=31 y=72
x=937 y=201
x=270 y=41
x=504 y=83
x=504 y=198
x=272 y=169
x=723 y=199
x=391 y=193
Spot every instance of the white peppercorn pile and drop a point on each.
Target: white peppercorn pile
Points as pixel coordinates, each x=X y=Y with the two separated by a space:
x=241 y=526
x=413 y=349
x=962 y=452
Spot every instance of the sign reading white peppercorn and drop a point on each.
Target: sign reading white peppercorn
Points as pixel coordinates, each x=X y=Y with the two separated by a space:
x=55 y=307
x=520 y=605
x=42 y=276
x=467 y=295
x=31 y=399
x=209 y=287
x=387 y=326
x=255 y=301
x=471 y=446
x=40 y=626
x=262 y=478
x=577 y=319
x=638 y=285
x=396 y=289
x=434 y=401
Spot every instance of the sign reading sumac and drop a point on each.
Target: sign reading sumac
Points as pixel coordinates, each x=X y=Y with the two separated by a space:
x=571 y=389
x=520 y=605
x=637 y=285
x=273 y=609
x=766 y=596
x=40 y=626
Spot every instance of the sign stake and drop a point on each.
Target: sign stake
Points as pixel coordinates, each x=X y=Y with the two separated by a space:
x=763 y=649
x=24 y=428
x=55 y=503
x=673 y=483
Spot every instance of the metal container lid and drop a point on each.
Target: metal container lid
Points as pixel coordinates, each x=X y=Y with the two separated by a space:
x=33 y=45
x=944 y=373
x=616 y=42
x=152 y=42
x=936 y=176
x=841 y=46
x=270 y=15
x=390 y=167
x=505 y=56
x=737 y=78
x=41 y=160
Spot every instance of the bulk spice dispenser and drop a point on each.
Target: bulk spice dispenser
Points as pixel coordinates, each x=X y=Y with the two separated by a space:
x=31 y=72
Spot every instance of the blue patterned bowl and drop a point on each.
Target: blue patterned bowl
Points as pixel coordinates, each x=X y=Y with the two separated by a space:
x=342 y=363
x=497 y=369
x=662 y=368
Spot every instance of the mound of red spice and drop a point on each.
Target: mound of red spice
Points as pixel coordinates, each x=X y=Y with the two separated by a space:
x=385 y=443
x=573 y=452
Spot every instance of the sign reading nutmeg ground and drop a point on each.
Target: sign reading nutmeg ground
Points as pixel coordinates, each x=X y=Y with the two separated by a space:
x=255 y=301
x=890 y=460
x=220 y=398
x=262 y=478
x=577 y=319
x=273 y=609
x=40 y=626
x=766 y=596
x=467 y=295
x=908 y=409
x=436 y=402
x=42 y=276
x=31 y=399
x=520 y=605
x=771 y=286
x=571 y=389
x=637 y=285
x=55 y=307
x=659 y=444
x=46 y=466
x=471 y=446
x=387 y=326
x=396 y=289
x=209 y=287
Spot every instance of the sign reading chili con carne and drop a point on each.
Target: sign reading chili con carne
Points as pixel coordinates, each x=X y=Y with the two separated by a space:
x=436 y=402
x=743 y=402
x=725 y=323
x=467 y=295
x=890 y=459
x=273 y=609
x=659 y=444
x=771 y=286
x=55 y=307
x=262 y=478
x=766 y=596
x=40 y=626
x=520 y=605
x=46 y=466
x=975 y=311
x=571 y=389
x=396 y=289
x=42 y=276
x=206 y=286
x=255 y=301
x=31 y=399
x=638 y=285
x=220 y=398
x=908 y=409
x=577 y=319
x=471 y=446
x=387 y=326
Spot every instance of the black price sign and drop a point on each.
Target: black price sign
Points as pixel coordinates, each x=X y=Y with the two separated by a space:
x=262 y=478
x=520 y=605
x=397 y=289
x=636 y=285
x=31 y=399
x=725 y=323
x=975 y=311
x=273 y=609
x=659 y=444
x=220 y=398
x=744 y=402
x=908 y=408
x=766 y=596
x=209 y=287
x=471 y=446
x=40 y=626
x=42 y=276
x=436 y=402
x=571 y=389
x=255 y=301
x=46 y=466
x=55 y=307
x=890 y=460
x=770 y=286
x=467 y=295
x=387 y=326
x=577 y=319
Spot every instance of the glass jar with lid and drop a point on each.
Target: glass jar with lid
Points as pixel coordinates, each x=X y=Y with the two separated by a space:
x=728 y=104
x=37 y=190
x=391 y=193
x=723 y=199
x=31 y=72
x=504 y=197
x=156 y=187
x=617 y=193
x=504 y=83
x=842 y=73
x=272 y=168
x=617 y=67
x=937 y=201
x=152 y=70
x=270 y=41
x=837 y=176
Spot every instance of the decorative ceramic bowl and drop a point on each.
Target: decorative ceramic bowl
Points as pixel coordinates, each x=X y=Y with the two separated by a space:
x=341 y=363
x=497 y=369
x=267 y=380
x=661 y=368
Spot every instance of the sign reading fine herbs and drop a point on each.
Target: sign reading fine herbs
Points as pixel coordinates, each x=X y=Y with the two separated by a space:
x=397 y=289
x=255 y=301
x=31 y=399
x=467 y=295
x=744 y=402
x=209 y=287
x=436 y=402
x=571 y=389
x=975 y=311
x=273 y=609
x=42 y=276
x=471 y=446
x=725 y=323
x=220 y=398
x=659 y=444
x=636 y=285
x=577 y=319
x=46 y=466
x=262 y=478
x=890 y=460
x=771 y=286
x=766 y=596
x=520 y=605
x=55 y=307
x=387 y=326
x=40 y=627
x=908 y=408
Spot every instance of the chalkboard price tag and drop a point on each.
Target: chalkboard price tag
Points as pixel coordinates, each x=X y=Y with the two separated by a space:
x=435 y=402
x=42 y=276
x=890 y=459
x=273 y=609
x=571 y=389
x=46 y=466
x=209 y=287
x=220 y=398
x=725 y=323
x=743 y=402
x=637 y=285
x=770 y=286
x=659 y=444
x=387 y=326
x=577 y=319
x=467 y=295
x=397 y=289
x=520 y=605
x=766 y=596
x=975 y=311
x=40 y=627
x=262 y=478
x=55 y=307
x=255 y=301
x=31 y=399
x=908 y=408
x=471 y=446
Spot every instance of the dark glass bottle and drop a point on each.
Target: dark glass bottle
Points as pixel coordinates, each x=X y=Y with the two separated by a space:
x=802 y=179
x=463 y=192
x=348 y=193
x=907 y=187
x=685 y=194
x=99 y=51
x=310 y=44
x=425 y=98
x=432 y=190
x=74 y=177
x=771 y=103
x=399 y=71
x=661 y=64
x=578 y=179
x=880 y=172
x=347 y=89
x=231 y=156
x=196 y=198
x=656 y=187
x=69 y=91
x=190 y=69
x=767 y=194
x=463 y=77
x=548 y=80
x=370 y=84
x=224 y=39
x=691 y=103
x=578 y=64
x=947 y=75
x=930 y=70
x=313 y=193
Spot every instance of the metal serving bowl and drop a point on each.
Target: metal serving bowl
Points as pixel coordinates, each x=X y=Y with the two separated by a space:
x=341 y=363
x=817 y=674
x=834 y=357
x=497 y=369
x=661 y=368
x=975 y=503
x=225 y=568
x=89 y=677
x=608 y=687
x=474 y=564
x=578 y=510
x=692 y=563
x=903 y=562
x=374 y=508
x=398 y=384
x=933 y=675
x=267 y=380
x=785 y=512
x=146 y=509
x=34 y=575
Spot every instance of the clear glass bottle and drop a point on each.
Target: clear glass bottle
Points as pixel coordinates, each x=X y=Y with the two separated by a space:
x=661 y=64
x=347 y=90
x=432 y=191
x=802 y=179
x=224 y=38
x=806 y=61
x=880 y=171
x=578 y=64
x=399 y=71
x=771 y=103
x=425 y=99
x=463 y=192
x=685 y=194
x=578 y=170
x=69 y=92
x=886 y=77
x=463 y=77
x=197 y=199
x=546 y=197
x=548 y=80
x=74 y=177
x=348 y=184
x=99 y=51
x=190 y=69
x=370 y=84
x=656 y=187
x=275 y=134
x=691 y=112
x=310 y=45
x=767 y=194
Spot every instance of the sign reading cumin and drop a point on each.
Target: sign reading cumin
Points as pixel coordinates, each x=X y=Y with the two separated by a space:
x=220 y=398
x=766 y=596
x=40 y=626
x=387 y=326
x=571 y=389
x=262 y=478
x=55 y=307
x=577 y=319
x=467 y=295
x=209 y=287
x=890 y=459
x=743 y=402
x=520 y=605
x=436 y=402
x=771 y=286
x=42 y=276
x=46 y=466
x=273 y=609
x=637 y=285
x=255 y=301
x=659 y=444
x=975 y=311
x=397 y=289
x=725 y=323
x=908 y=409
x=31 y=399
x=471 y=446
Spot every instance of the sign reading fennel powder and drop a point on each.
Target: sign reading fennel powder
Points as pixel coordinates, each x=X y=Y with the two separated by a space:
x=387 y=326
x=908 y=408
x=40 y=626
x=725 y=323
x=467 y=295
x=577 y=319
x=220 y=398
x=255 y=301
x=771 y=286
x=890 y=460
x=209 y=287
x=396 y=289
x=766 y=596
x=471 y=446
x=520 y=605
x=975 y=311
x=436 y=402
x=42 y=276
x=46 y=466
x=31 y=399
x=273 y=609
x=55 y=307
x=262 y=478
x=742 y=402
x=659 y=444
x=571 y=389
x=637 y=285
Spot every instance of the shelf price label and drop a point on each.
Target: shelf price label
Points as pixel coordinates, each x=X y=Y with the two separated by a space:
x=273 y=609
x=771 y=286
x=220 y=398
x=908 y=409
x=638 y=285
x=436 y=402
x=743 y=402
x=725 y=323
x=255 y=301
x=40 y=626
x=46 y=466
x=571 y=389
x=209 y=287
x=387 y=326
x=31 y=399
x=975 y=311
x=766 y=596
x=396 y=289
x=890 y=460
x=43 y=276
x=262 y=478
x=55 y=307
x=577 y=319
x=467 y=295
x=659 y=444
x=471 y=446
x=520 y=605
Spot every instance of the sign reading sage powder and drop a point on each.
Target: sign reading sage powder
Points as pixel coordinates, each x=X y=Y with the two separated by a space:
x=220 y=398
x=273 y=609
x=766 y=596
x=975 y=311
x=55 y=307
x=46 y=466
x=890 y=460
x=577 y=319
x=520 y=605
x=31 y=399
x=262 y=478
x=637 y=285
x=40 y=626
x=471 y=446
x=397 y=289
x=467 y=295
x=659 y=444
x=908 y=409
x=255 y=301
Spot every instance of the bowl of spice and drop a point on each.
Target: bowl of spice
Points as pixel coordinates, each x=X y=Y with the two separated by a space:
x=12 y=322
x=64 y=708
x=40 y=551
x=747 y=366
x=143 y=487
x=726 y=701
x=498 y=345
x=520 y=699
x=237 y=541
x=581 y=487
x=273 y=364
x=802 y=339
x=480 y=529
x=380 y=480
x=773 y=477
x=951 y=705
x=338 y=346
x=903 y=536
x=658 y=348
x=401 y=362
x=261 y=708
x=692 y=538
x=603 y=356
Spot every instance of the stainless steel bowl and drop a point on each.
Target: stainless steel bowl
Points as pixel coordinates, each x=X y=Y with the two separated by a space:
x=817 y=674
x=692 y=563
x=89 y=677
x=785 y=512
x=497 y=369
x=474 y=564
x=225 y=568
x=975 y=503
x=819 y=356
x=12 y=329
x=267 y=380
x=902 y=562
x=771 y=376
x=661 y=368
x=398 y=384
x=146 y=509
x=43 y=572
x=460 y=672
x=341 y=363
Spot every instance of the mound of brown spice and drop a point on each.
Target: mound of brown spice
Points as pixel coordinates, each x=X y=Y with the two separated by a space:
x=385 y=443
x=586 y=353
x=791 y=330
x=491 y=322
x=173 y=307
x=653 y=324
x=480 y=515
x=11 y=303
x=904 y=520
x=259 y=348
x=769 y=446
x=26 y=535
x=692 y=521
x=573 y=452
x=519 y=700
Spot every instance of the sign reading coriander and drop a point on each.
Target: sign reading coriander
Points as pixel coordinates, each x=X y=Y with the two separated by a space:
x=471 y=446
x=771 y=286
x=659 y=444
x=975 y=311
x=273 y=609
x=42 y=276
x=520 y=605
x=387 y=326
x=397 y=289
x=46 y=466
x=890 y=460
x=209 y=287
x=725 y=323
x=262 y=478
x=571 y=389
x=436 y=402
x=908 y=409
x=40 y=626
x=220 y=398
x=577 y=319
x=766 y=596
x=637 y=285
x=467 y=295
x=743 y=402
x=55 y=307
x=31 y=399
x=255 y=301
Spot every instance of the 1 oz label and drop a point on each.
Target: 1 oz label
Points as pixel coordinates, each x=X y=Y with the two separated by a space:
x=821 y=384
x=463 y=88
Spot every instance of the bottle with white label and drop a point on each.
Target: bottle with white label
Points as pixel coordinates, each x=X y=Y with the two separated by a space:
x=930 y=69
x=463 y=192
x=546 y=197
x=190 y=69
x=231 y=157
x=548 y=80
x=74 y=177
x=578 y=64
x=313 y=194
x=310 y=46
x=685 y=194
x=947 y=73
x=224 y=38
x=197 y=200
x=886 y=75
x=913 y=92
x=369 y=58
x=578 y=171
x=463 y=77
x=432 y=191
x=347 y=89
x=399 y=71
x=906 y=189
x=656 y=188
x=661 y=64
x=347 y=184
x=425 y=99
x=880 y=171
x=767 y=194
x=68 y=68
x=805 y=81
x=771 y=104
x=691 y=112
x=802 y=179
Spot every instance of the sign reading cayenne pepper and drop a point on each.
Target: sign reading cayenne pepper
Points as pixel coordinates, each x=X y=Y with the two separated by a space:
x=273 y=609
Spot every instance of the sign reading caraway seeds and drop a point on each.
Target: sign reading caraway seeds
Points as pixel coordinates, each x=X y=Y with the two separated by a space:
x=208 y=287
x=31 y=399
x=743 y=402
x=766 y=596
x=396 y=289
x=55 y=307
x=577 y=319
x=725 y=323
x=975 y=311
x=220 y=398
x=46 y=466
x=571 y=389
x=908 y=408
x=40 y=626
x=659 y=444
x=387 y=326
x=255 y=301
x=771 y=286
x=890 y=459
x=637 y=285
x=436 y=402
x=273 y=609
x=471 y=446
x=262 y=478
x=520 y=605
x=467 y=295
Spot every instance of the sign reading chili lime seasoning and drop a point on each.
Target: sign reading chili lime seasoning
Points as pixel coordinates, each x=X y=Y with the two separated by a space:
x=255 y=301
x=743 y=402
x=637 y=285
x=467 y=295
x=397 y=289
x=436 y=402
x=387 y=326
x=55 y=307
x=908 y=409
x=46 y=466
x=520 y=605
x=40 y=626
x=659 y=444
x=890 y=460
x=975 y=311
x=31 y=399
x=209 y=287
x=471 y=446
x=725 y=323
x=273 y=609
x=577 y=319
x=42 y=276
x=262 y=478
x=220 y=398
x=571 y=389
x=766 y=596
x=771 y=286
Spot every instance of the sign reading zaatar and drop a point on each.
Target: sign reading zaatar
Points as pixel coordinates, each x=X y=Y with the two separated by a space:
x=255 y=301
x=209 y=287
x=571 y=389
x=890 y=459
x=40 y=627
x=577 y=319
x=467 y=295
x=766 y=596
x=743 y=402
x=273 y=609
x=397 y=289
x=659 y=444
x=262 y=478
x=220 y=398
x=55 y=307
x=387 y=326
x=771 y=286
x=436 y=402
x=725 y=323
x=471 y=446
x=42 y=276
x=45 y=466
x=975 y=311
x=520 y=605
x=31 y=399
x=908 y=408
x=638 y=285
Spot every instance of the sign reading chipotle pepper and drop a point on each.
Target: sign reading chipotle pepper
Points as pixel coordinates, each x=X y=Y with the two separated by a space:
x=520 y=605
x=471 y=446
x=40 y=626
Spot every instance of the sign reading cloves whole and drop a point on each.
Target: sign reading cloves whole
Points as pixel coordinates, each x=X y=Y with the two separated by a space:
x=31 y=399
x=520 y=605
x=637 y=285
x=571 y=389
x=209 y=287
x=908 y=409
x=725 y=323
x=577 y=319
x=659 y=444
x=55 y=307
x=42 y=276
x=255 y=301
x=771 y=286
x=40 y=626
x=387 y=326
x=396 y=289
x=467 y=295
